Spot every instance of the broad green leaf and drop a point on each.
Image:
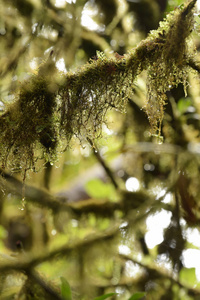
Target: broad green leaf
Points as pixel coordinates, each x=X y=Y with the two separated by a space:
x=65 y=289
x=137 y=296
x=188 y=276
x=105 y=296
x=98 y=189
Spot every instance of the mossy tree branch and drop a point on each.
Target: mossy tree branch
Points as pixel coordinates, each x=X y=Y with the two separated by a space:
x=128 y=203
x=27 y=262
x=51 y=108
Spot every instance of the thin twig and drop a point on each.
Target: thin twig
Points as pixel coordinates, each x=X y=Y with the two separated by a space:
x=104 y=165
x=160 y=274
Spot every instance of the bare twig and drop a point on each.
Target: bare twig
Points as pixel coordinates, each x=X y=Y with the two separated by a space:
x=103 y=163
x=161 y=274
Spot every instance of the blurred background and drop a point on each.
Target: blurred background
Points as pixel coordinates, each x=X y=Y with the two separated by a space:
x=120 y=216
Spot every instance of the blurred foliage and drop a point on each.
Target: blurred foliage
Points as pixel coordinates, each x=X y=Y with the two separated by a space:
x=100 y=143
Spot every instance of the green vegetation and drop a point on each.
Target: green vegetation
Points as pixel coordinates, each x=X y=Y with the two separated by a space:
x=92 y=153
x=38 y=121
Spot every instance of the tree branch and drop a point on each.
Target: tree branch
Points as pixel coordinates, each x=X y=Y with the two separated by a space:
x=27 y=261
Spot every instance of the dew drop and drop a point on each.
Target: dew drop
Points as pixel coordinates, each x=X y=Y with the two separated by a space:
x=160 y=140
x=23 y=204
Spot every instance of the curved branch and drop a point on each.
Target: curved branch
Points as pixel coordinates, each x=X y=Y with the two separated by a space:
x=194 y=65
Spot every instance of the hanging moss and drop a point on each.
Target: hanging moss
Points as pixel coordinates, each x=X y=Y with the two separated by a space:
x=86 y=96
x=169 y=65
x=28 y=124
x=46 y=111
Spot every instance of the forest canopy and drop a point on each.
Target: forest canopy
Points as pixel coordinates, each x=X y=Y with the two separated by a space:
x=99 y=145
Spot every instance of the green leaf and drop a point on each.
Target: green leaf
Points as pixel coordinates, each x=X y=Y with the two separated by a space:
x=65 y=289
x=137 y=296
x=105 y=296
x=188 y=276
x=183 y=104
x=98 y=189
x=3 y=232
